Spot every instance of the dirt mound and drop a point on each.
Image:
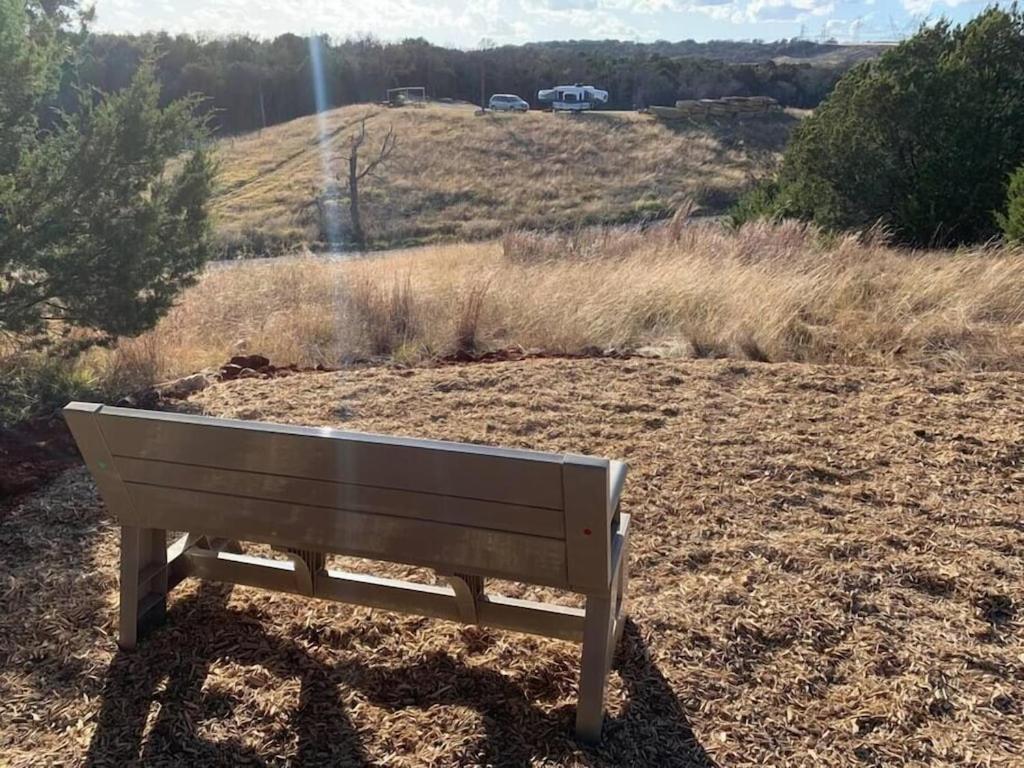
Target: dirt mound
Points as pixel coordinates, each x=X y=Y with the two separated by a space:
x=826 y=570
x=32 y=454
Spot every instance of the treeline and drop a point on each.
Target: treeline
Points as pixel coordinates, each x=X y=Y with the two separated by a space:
x=250 y=83
x=735 y=51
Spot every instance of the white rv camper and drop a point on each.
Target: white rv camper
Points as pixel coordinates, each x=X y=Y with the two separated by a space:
x=572 y=98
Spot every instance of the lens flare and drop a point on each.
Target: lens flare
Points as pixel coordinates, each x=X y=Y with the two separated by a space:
x=332 y=223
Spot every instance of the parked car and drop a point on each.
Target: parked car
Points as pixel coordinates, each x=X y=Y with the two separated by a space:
x=507 y=102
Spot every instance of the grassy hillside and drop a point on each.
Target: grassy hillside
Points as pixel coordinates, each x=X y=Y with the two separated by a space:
x=458 y=176
x=765 y=293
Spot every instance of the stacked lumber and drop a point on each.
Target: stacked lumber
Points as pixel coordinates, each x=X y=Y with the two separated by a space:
x=738 y=107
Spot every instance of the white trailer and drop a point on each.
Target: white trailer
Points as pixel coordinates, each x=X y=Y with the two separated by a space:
x=572 y=98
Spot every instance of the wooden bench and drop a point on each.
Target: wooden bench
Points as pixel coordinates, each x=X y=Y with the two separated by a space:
x=468 y=512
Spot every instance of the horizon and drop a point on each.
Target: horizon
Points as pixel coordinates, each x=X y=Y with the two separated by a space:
x=465 y=24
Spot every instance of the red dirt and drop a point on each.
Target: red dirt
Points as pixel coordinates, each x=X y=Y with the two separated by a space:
x=32 y=454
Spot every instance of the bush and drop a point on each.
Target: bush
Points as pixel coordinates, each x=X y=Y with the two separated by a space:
x=758 y=202
x=1012 y=222
x=38 y=385
x=920 y=139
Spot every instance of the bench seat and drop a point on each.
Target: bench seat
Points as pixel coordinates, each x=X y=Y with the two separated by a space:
x=468 y=512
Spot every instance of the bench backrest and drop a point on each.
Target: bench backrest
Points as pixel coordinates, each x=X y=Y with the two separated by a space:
x=527 y=516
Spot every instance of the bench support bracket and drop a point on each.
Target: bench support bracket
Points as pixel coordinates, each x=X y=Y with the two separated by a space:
x=308 y=566
x=468 y=591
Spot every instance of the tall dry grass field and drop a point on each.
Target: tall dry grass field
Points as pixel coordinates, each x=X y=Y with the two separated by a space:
x=459 y=176
x=770 y=293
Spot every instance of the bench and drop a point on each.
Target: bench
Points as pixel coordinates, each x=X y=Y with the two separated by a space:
x=467 y=512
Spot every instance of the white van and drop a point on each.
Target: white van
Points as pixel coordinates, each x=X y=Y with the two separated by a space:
x=507 y=102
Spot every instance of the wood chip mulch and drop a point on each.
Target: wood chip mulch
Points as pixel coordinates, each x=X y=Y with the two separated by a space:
x=828 y=569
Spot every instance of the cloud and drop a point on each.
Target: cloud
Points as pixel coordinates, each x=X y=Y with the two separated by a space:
x=572 y=5
x=384 y=18
x=551 y=22
x=788 y=10
x=465 y=22
x=927 y=7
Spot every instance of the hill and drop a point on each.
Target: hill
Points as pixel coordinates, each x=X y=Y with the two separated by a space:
x=459 y=176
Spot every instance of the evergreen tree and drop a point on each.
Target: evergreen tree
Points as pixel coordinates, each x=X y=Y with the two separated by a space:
x=103 y=217
x=1012 y=222
x=921 y=139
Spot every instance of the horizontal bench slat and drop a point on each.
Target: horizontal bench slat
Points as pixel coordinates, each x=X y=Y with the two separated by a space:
x=441 y=546
x=491 y=474
x=536 y=521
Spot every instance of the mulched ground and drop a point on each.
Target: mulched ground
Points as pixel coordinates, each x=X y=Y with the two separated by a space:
x=827 y=570
x=33 y=453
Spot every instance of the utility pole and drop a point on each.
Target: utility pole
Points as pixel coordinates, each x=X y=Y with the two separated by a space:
x=263 y=107
x=483 y=46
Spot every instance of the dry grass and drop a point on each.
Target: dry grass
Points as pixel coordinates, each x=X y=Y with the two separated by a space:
x=456 y=176
x=766 y=293
x=825 y=571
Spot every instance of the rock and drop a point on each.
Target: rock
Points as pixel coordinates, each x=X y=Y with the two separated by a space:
x=179 y=389
x=670 y=348
x=230 y=371
x=248 y=373
x=147 y=399
x=250 y=361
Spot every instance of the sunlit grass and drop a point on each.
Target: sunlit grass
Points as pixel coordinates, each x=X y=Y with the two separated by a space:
x=772 y=293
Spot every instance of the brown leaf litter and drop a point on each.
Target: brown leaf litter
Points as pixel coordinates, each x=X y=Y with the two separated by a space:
x=827 y=570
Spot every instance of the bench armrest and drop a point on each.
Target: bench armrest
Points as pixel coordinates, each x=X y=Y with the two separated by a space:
x=616 y=480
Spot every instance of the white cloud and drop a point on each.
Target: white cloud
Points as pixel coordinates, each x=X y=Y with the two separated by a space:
x=384 y=18
x=788 y=10
x=551 y=21
x=465 y=22
x=922 y=8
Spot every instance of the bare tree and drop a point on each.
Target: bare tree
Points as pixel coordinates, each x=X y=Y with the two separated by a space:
x=357 y=174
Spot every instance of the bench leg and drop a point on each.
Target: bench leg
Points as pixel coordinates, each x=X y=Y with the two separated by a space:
x=598 y=630
x=143 y=582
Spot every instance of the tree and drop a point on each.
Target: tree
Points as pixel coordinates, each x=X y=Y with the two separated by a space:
x=103 y=218
x=356 y=174
x=1012 y=222
x=921 y=139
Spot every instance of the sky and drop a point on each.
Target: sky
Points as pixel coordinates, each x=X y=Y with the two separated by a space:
x=464 y=23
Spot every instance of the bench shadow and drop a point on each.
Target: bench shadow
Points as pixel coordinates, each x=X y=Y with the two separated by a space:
x=167 y=674
x=156 y=698
x=652 y=729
